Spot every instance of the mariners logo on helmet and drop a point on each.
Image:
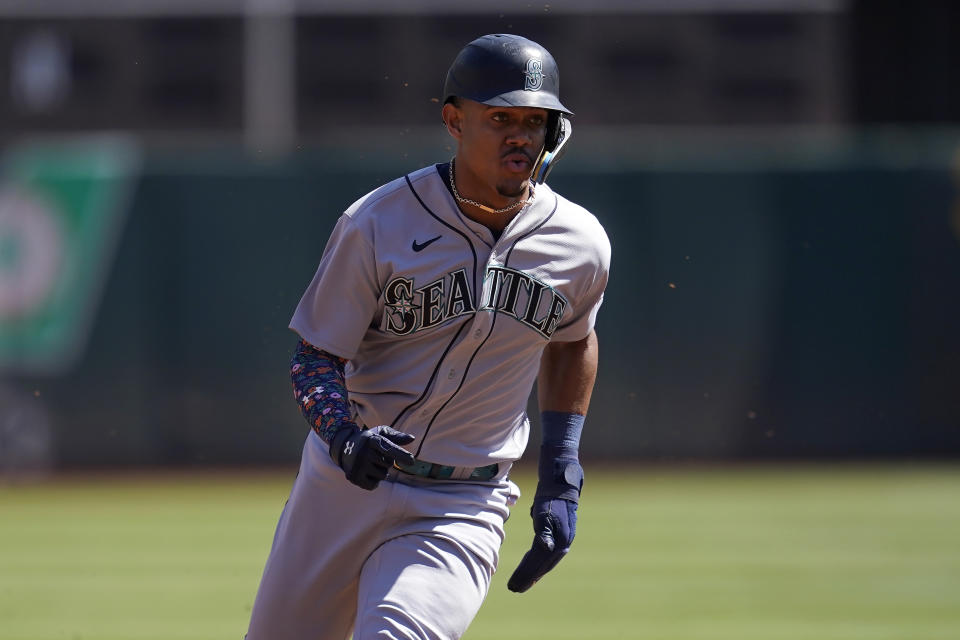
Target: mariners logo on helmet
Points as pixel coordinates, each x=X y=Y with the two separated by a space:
x=505 y=70
x=534 y=73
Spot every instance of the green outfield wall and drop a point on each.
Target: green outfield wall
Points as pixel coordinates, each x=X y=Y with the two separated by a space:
x=766 y=300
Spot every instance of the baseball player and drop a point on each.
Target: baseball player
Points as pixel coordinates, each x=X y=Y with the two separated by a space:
x=439 y=300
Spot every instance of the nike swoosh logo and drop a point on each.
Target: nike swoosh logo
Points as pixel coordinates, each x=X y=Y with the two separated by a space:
x=421 y=247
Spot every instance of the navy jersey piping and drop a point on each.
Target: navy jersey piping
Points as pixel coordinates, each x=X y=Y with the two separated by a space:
x=493 y=324
x=433 y=376
x=556 y=202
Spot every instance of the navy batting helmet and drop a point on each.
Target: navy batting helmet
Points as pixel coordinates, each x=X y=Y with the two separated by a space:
x=504 y=70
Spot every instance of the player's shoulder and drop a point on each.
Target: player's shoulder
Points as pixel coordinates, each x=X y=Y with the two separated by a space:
x=389 y=196
x=569 y=212
x=577 y=220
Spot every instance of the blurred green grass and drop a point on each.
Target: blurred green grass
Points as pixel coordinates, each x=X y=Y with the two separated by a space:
x=740 y=553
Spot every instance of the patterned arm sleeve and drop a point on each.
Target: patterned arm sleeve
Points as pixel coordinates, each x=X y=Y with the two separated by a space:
x=319 y=386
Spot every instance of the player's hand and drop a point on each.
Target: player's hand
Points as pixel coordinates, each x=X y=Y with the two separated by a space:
x=367 y=455
x=554 y=514
x=554 y=526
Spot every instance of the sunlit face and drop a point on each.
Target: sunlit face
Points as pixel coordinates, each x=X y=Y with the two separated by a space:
x=497 y=148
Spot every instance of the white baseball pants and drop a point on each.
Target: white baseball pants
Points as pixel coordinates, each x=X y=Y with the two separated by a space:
x=410 y=560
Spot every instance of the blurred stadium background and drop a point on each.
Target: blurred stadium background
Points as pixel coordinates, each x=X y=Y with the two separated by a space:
x=780 y=180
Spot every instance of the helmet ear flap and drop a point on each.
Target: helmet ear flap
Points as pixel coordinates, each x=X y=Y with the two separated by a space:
x=557 y=135
x=552 y=136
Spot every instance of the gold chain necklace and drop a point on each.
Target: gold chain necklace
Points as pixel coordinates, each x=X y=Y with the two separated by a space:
x=462 y=200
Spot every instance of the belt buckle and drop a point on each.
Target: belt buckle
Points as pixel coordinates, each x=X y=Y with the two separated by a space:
x=418 y=468
x=409 y=470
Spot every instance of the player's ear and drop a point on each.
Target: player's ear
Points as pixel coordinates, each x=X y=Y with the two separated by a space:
x=453 y=118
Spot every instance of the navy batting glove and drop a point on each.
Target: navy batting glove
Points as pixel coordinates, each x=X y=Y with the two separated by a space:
x=554 y=509
x=554 y=526
x=367 y=455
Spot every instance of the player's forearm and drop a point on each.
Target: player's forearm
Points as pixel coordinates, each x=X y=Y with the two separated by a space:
x=568 y=371
x=320 y=389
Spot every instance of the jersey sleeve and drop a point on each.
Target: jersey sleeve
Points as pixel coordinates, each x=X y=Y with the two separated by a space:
x=585 y=309
x=341 y=301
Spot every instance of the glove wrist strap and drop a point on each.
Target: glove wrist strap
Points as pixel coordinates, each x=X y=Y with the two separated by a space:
x=345 y=432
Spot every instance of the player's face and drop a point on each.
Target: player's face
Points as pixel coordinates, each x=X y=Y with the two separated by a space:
x=498 y=147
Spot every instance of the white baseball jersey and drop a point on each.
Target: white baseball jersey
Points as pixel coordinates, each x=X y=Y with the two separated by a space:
x=443 y=325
